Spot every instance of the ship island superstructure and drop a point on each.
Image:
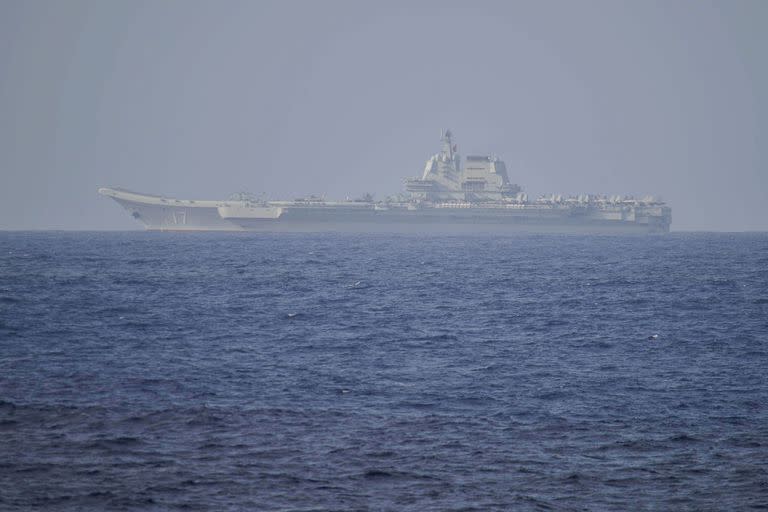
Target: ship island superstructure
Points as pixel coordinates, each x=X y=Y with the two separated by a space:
x=474 y=195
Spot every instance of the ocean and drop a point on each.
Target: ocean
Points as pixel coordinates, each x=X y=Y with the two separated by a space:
x=313 y=372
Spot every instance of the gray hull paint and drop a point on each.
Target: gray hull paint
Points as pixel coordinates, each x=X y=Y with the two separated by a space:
x=177 y=218
x=441 y=220
x=444 y=227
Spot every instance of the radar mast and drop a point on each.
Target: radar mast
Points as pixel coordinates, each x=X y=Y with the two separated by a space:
x=446 y=137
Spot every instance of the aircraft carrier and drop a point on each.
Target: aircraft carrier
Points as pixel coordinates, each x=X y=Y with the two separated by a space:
x=450 y=195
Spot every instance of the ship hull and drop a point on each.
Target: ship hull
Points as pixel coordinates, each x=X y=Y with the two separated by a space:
x=443 y=223
x=443 y=227
x=451 y=218
x=162 y=214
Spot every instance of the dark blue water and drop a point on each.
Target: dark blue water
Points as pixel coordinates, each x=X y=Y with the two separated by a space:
x=143 y=371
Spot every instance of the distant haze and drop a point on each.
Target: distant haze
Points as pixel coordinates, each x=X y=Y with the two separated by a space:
x=202 y=99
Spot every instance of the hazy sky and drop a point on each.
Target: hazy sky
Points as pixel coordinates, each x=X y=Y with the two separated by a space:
x=203 y=99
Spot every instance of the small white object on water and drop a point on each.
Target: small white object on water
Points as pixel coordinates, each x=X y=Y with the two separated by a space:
x=291 y=315
x=653 y=337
